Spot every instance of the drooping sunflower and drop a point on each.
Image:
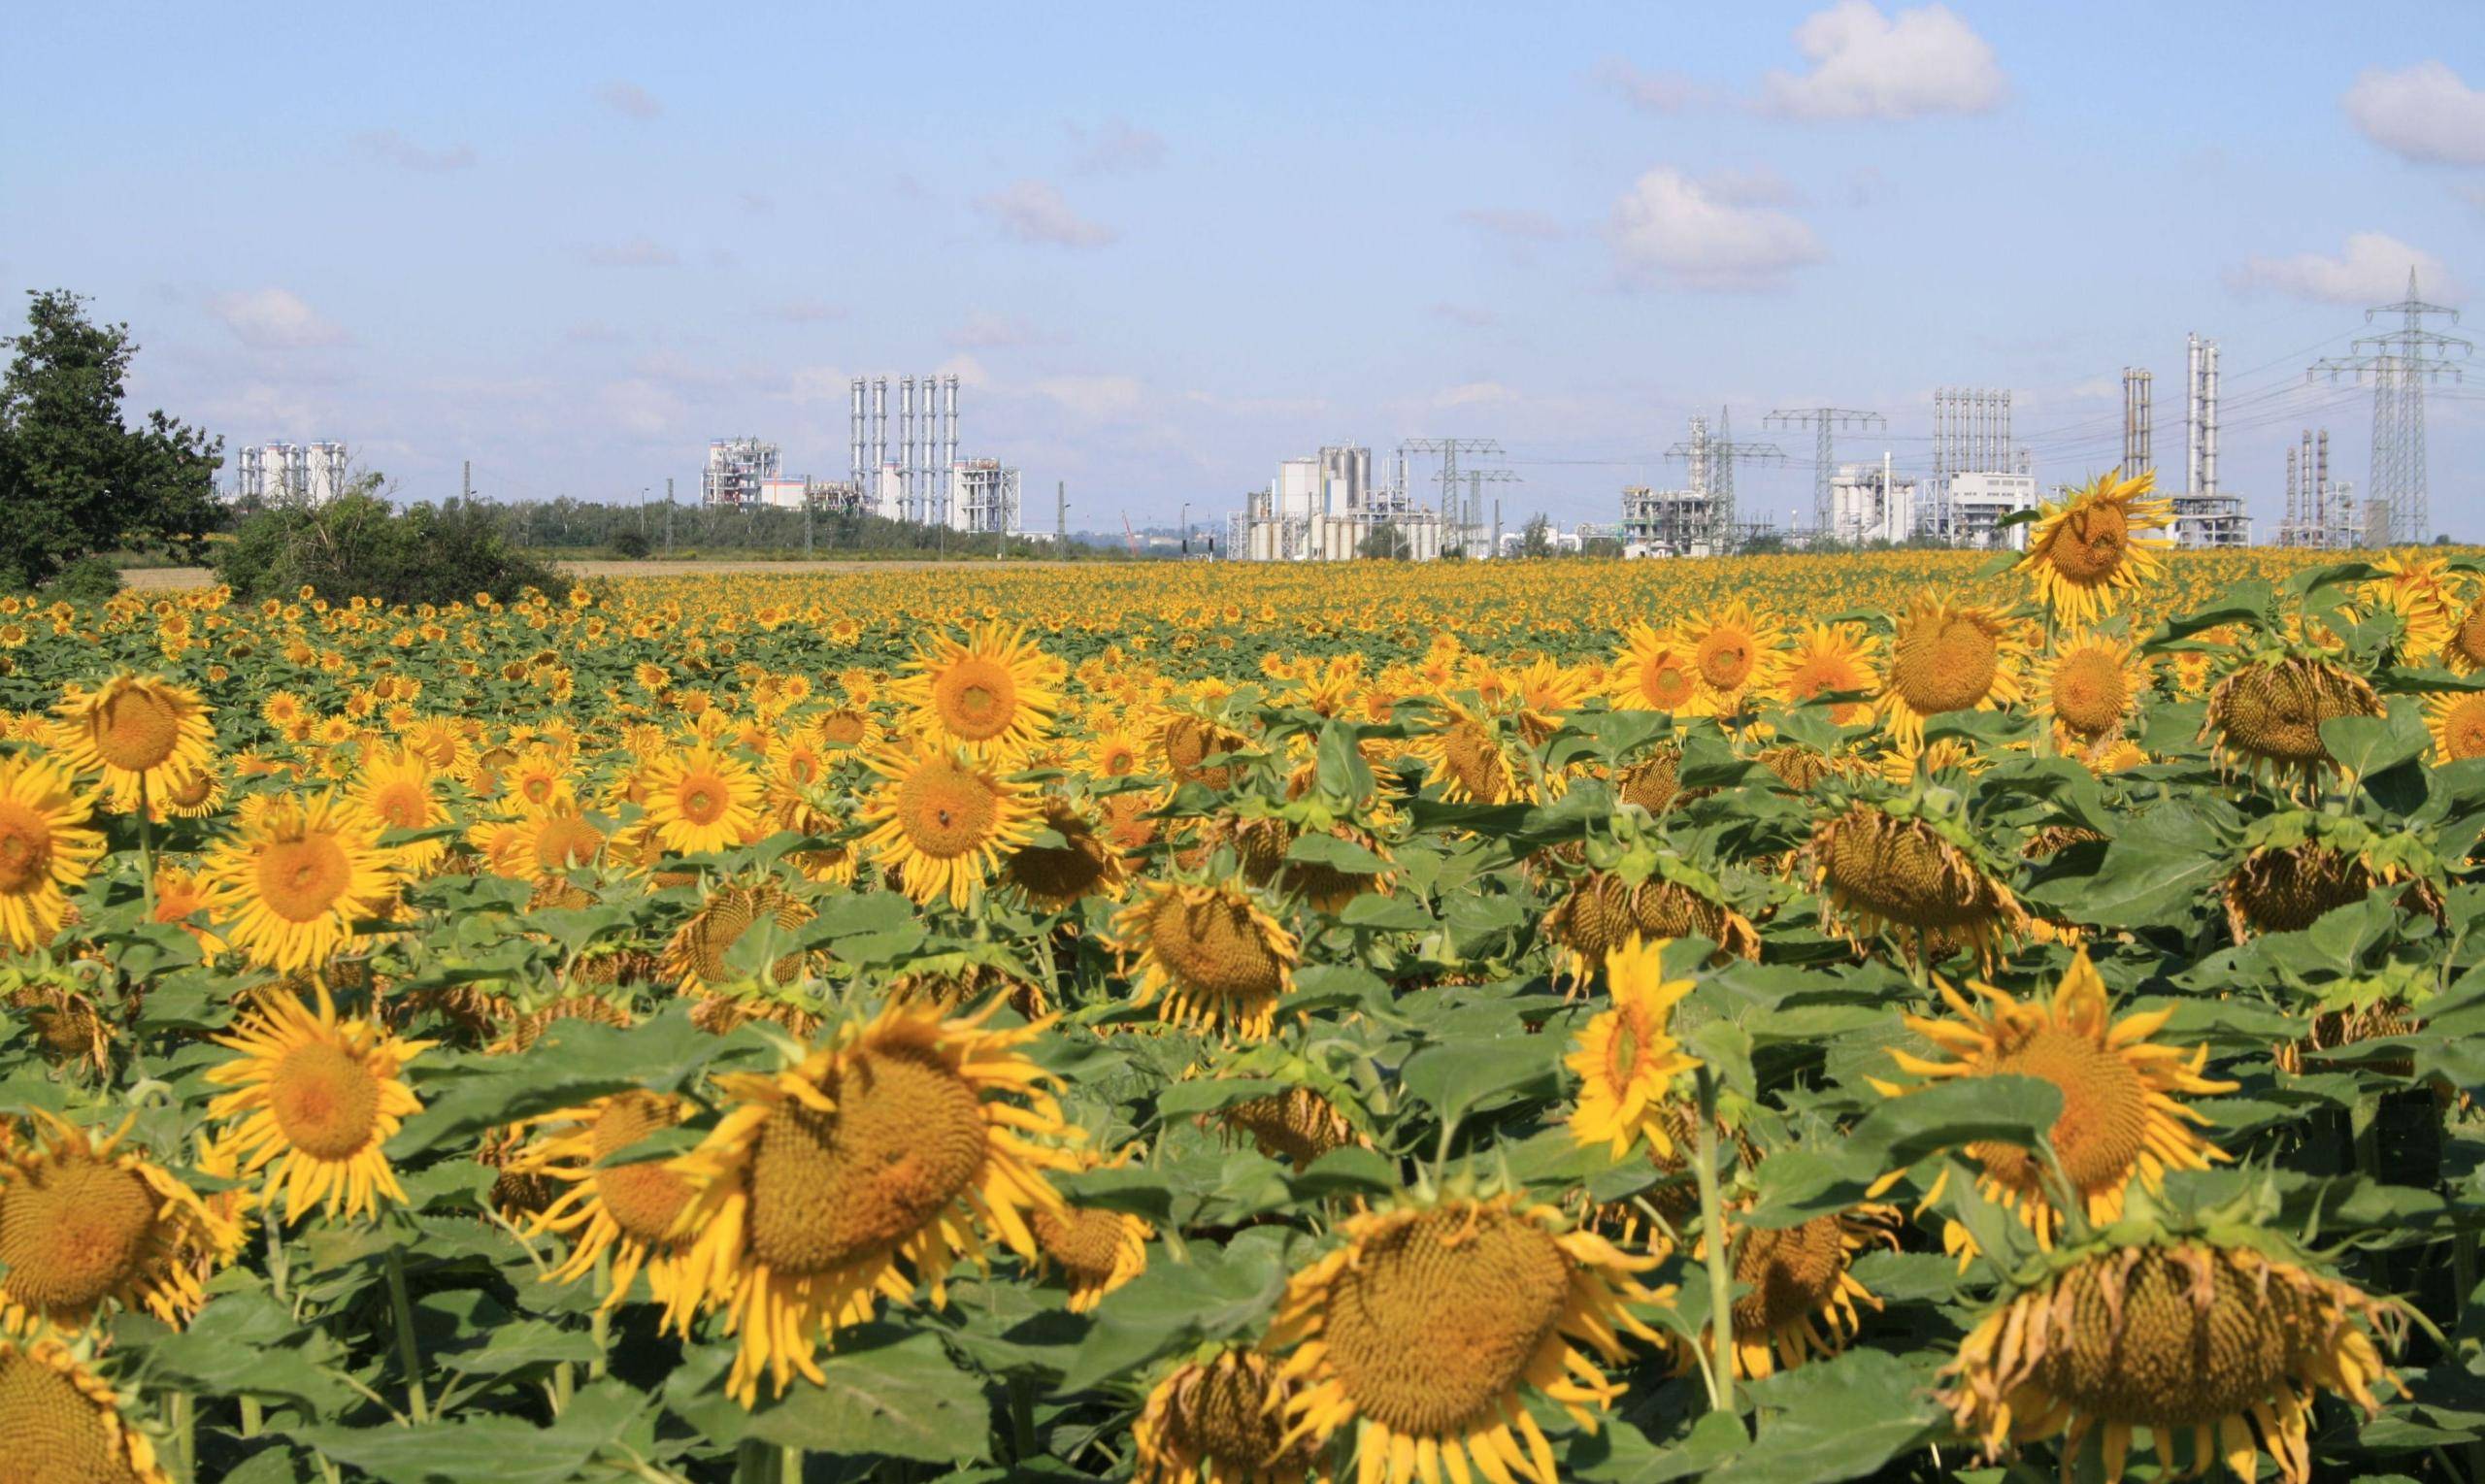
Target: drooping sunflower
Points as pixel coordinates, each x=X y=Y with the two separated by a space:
x=2090 y=685
x=2266 y=716
x=1803 y=1289
x=135 y=730
x=1211 y=955
x=1217 y=1419
x=695 y=957
x=1626 y=1059
x=1186 y=741
x=986 y=696
x=2213 y=1344
x=1298 y=1125
x=1735 y=651
x=943 y=822
x=1474 y=752
x=46 y=847
x=1654 y=673
x=64 y=1422
x=395 y=792
x=2457 y=720
x=314 y=1099
x=1829 y=658
x=2088 y=551
x=631 y=1210
x=2121 y=1115
x=2465 y=648
x=701 y=799
x=1878 y=871
x=84 y=1223
x=1602 y=911
x=1425 y=1330
x=1095 y=1250
x=1949 y=657
x=291 y=888
x=1083 y=865
x=899 y=1143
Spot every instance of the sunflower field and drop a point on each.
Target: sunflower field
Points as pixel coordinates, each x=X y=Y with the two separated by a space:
x=1917 y=1016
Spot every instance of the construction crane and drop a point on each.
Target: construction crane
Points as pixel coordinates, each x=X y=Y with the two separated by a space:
x=1129 y=536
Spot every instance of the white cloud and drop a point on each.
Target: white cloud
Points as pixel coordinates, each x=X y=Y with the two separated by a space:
x=1750 y=187
x=2425 y=113
x=1867 y=65
x=2371 y=270
x=273 y=319
x=642 y=407
x=967 y=369
x=630 y=99
x=1511 y=222
x=392 y=147
x=1654 y=92
x=1118 y=147
x=1033 y=212
x=1474 y=394
x=1094 y=397
x=631 y=253
x=1672 y=228
x=984 y=330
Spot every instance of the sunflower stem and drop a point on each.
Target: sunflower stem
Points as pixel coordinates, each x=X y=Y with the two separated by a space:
x=253 y=1417
x=181 y=1417
x=1719 y=1362
x=1022 y=1418
x=600 y=1322
x=755 y=1462
x=410 y=1350
x=145 y=850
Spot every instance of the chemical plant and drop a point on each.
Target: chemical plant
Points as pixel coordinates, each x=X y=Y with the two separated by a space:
x=924 y=480
x=290 y=474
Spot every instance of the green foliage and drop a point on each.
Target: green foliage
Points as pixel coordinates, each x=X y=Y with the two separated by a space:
x=359 y=545
x=632 y=545
x=87 y=580
x=1386 y=542
x=75 y=478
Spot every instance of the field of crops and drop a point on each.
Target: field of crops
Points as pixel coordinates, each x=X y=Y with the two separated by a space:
x=1239 y=1023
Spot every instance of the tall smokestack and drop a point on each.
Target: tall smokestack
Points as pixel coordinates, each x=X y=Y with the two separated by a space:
x=908 y=499
x=2208 y=429
x=948 y=421
x=879 y=435
x=2192 y=414
x=2321 y=481
x=854 y=434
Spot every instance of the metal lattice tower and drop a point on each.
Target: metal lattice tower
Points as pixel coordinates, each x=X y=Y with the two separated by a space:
x=2399 y=362
x=1827 y=420
x=1449 y=449
x=1710 y=462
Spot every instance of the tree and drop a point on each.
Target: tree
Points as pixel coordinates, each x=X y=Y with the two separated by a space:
x=1386 y=542
x=360 y=546
x=1536 y=538
x=74 y=478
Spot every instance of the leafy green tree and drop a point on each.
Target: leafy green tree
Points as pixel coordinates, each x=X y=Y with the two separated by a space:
x=360 y=546
x=74 y=478
x=1537 y=540
x=1386 y=542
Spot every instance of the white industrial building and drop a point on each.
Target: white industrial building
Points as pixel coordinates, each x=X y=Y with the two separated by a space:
x=290 y=474
x=1326 y=509
x=1869 y=503
x=923 y=478
x=739 y=472
x=2203 y=515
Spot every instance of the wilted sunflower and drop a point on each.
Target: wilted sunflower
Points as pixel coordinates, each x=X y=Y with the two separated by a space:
x=701 y=799
x=46 y=847
x=631 y=1210
x=1654 y=673
x=2099 y=544
x=1626 y=1059
x=1423 y=1331
x=943 y=822
x=1083 y=865
x=1948 y=657
x=314 y=1099
x=1828 y=658
x=986 y=696
x=81 y=1225
x=1219 y=1420
x=2463 y=649
x=2121 y=1118
x=1298 y=1125
x=2457 y=720
x=1602 y=911
x=1879 y=872
x=136 y=731
x=2266 y=716
x=2199 y=1341
x=63 y=1422
x=1468 y=750
x=1654 y=782
x=1095 y=1250
x=2300 y=866
x=291 y=889
x=2089 y=685
x=1212 y=955
x=1185 y=741
x=1803 y=1291
x=892 y=1145
x=695 y=958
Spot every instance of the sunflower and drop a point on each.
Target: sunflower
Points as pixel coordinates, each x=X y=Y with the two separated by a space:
x=892 y=1145
x=846 y=729
x=1802 y=1291
x=631 y=1210
x=2120 y=1115
x=943 y=823
x=63 y=1422
x=555 y=837
x=1211 y=955
x=290 y=890
x=1298 y=1125
x=1828 y=658
x=1949 y=657
x=702 y=800
x=1654 y=672
x=1095 y=1251
x=2099 y=544
x=2465 y=646
x=1115 y=754
x=1186 y=741
x=82 y=1226
x=986 y=696
x=1735 y=651
x=2089 y=685
x=136 y=731
x=45 y=848
x=182 y=894
x=1878 y=870
x=1424 y=1329
x=1083 y=865
x=2286 y=888
x=2205 y=1341
x=2266 y=716
x=2457 y=719
x=1217 y=1420
x=314 y=1099
x=1655 y=782
x=1602 y=911
x=1626 y=1058
x=695 y=958
x=395 y=793
x=1469 y=751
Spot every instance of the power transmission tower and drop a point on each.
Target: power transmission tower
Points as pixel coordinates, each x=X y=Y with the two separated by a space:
x=1827 y=420
x=1060 y=517
x=1471 y=522
x=1711 y=459
x=1449 y=449
x=2401 y=362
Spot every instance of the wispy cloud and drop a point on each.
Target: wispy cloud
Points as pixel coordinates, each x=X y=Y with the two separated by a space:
x=390 y=148
x=2371 y=269
x=2427 y=113
x=630 y=100
x=1035 y=211
x=1117 y=147
x=1653 y=92
x=631 y=253
x=273 y=319
x=805 y=311
x=984 y=330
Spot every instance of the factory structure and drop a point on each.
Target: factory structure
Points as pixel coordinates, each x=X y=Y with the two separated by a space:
x=922 y=480
x=1327 y=509
x=290 y=474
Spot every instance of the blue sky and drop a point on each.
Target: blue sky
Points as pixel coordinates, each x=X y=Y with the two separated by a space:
x=1165 y=247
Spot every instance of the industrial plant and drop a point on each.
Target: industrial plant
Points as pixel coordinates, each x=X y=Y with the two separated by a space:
x=924 y=480
x=290 y=474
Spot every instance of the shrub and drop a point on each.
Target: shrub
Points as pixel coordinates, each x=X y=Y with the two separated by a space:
x=359 y=545
x=87 y=580
x=632 y=545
